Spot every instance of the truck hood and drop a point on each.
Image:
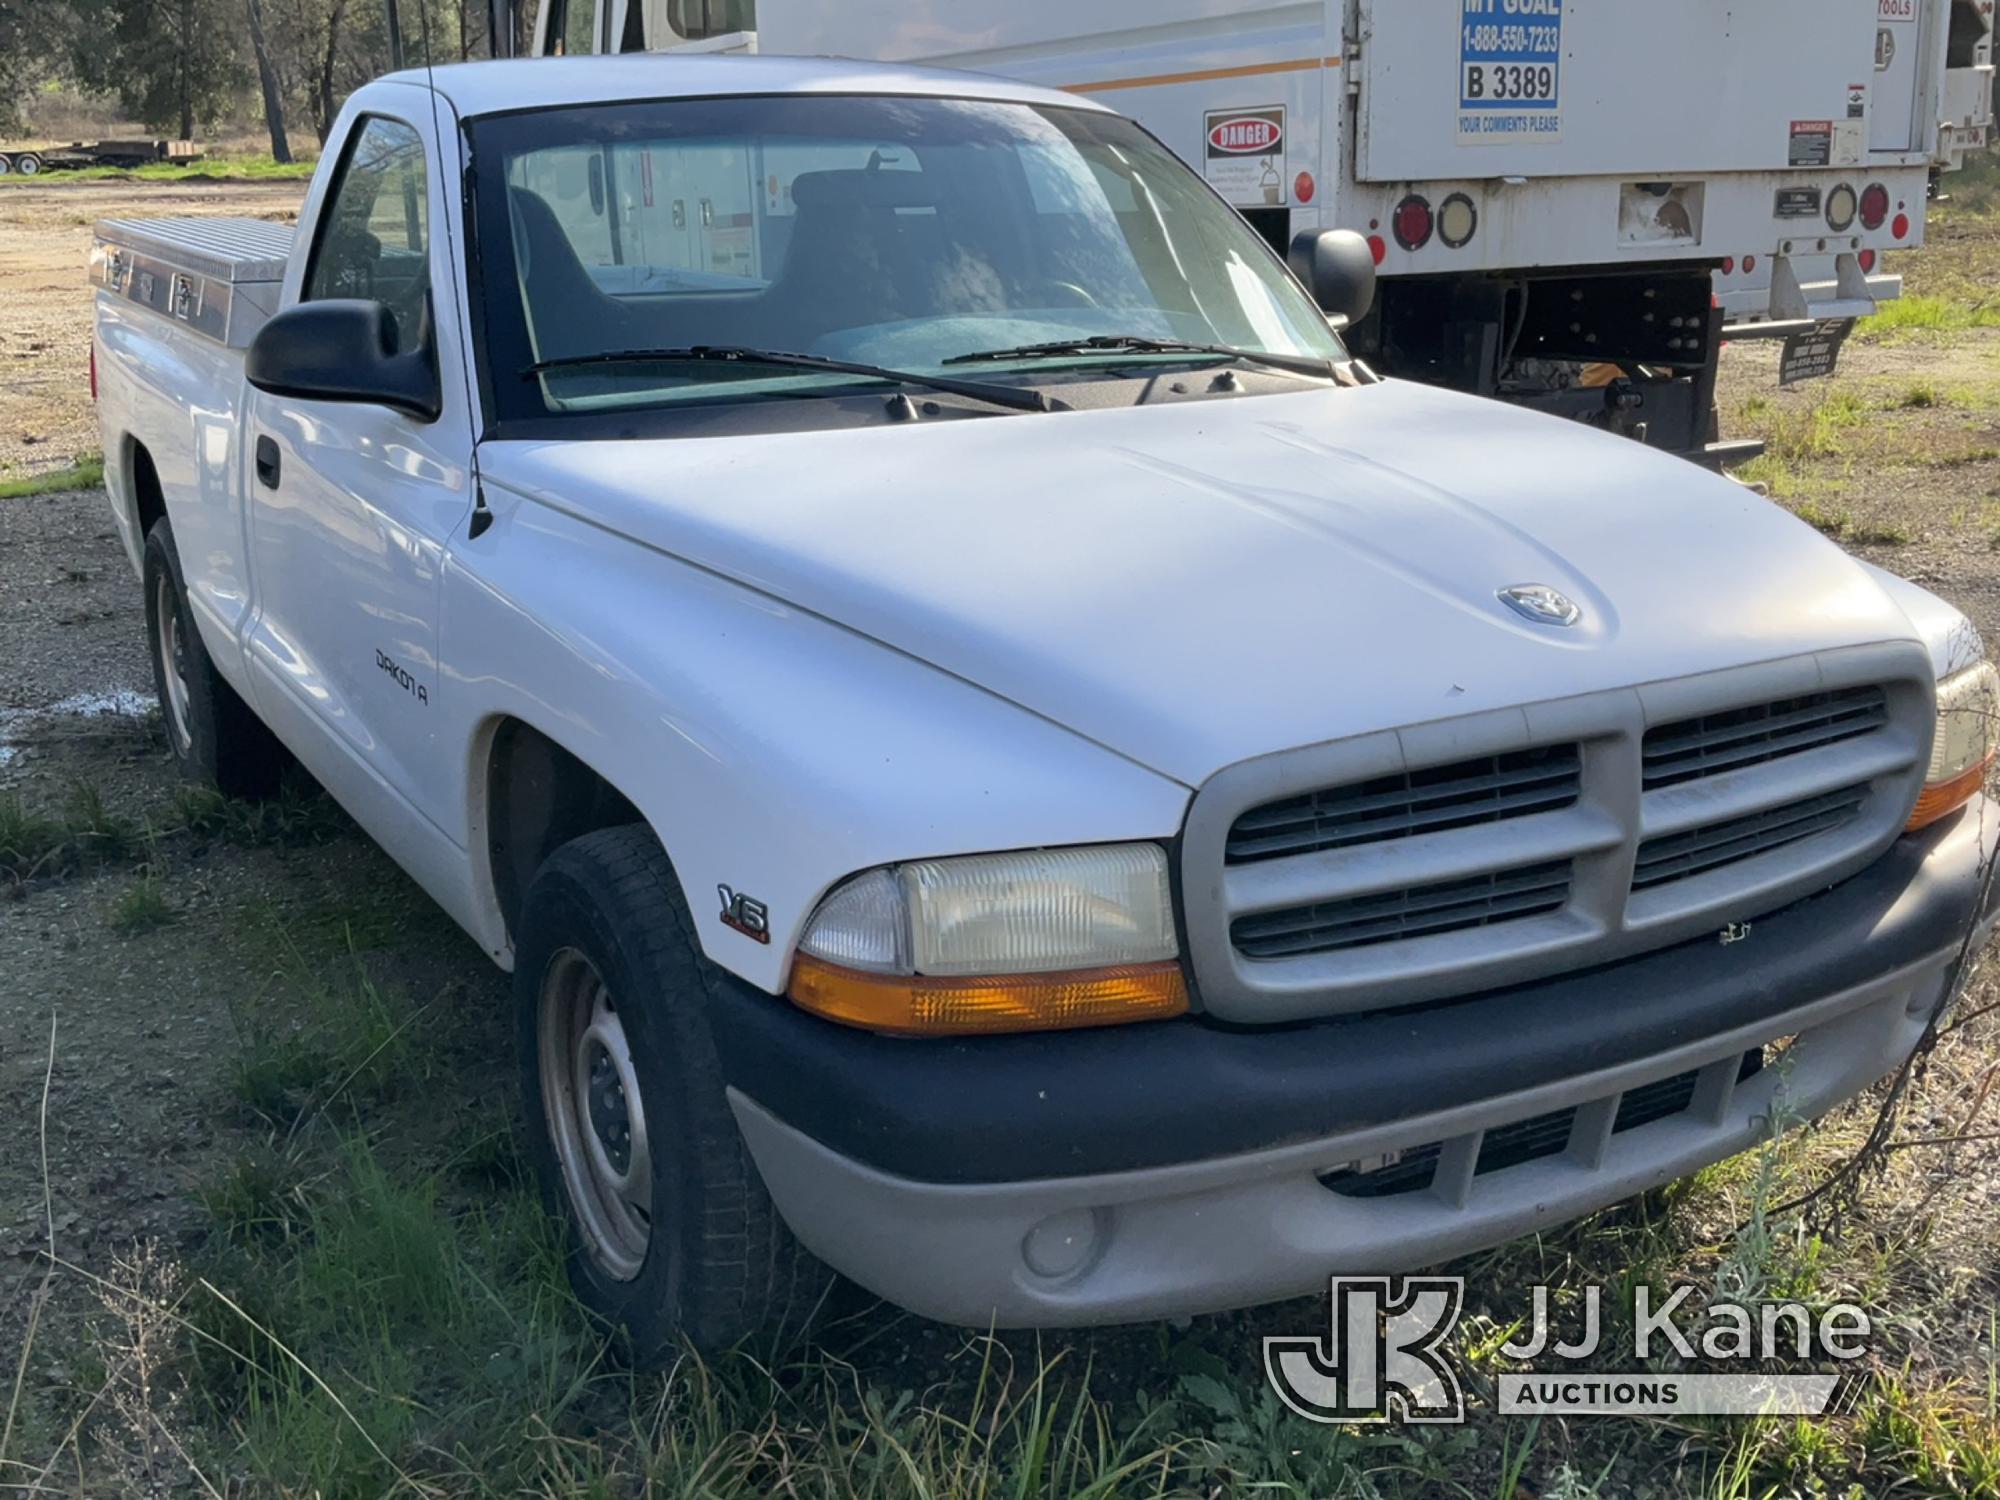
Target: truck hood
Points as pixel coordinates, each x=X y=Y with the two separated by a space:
x=1193 y=584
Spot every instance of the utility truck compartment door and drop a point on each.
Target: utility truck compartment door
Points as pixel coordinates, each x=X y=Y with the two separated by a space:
x=1902 y=45
x=1542 y=88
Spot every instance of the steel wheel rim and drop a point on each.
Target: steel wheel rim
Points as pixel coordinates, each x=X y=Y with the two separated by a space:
x=595 y=1114
x=173 y=663
x=28 y=166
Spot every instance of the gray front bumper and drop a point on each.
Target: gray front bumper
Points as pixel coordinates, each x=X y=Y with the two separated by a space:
x=1240 y=1229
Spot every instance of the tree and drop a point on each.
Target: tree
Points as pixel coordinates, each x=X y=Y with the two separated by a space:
x=33 y=40
x=267 y=83
x=172 y=64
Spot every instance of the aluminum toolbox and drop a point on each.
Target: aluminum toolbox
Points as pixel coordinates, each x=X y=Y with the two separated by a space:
x=221 y=277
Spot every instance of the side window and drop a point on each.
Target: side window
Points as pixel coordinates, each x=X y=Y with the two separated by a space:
x=375 y=238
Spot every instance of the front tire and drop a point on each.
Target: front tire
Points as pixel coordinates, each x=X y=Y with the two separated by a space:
x=671 y=1233
x=215 y=736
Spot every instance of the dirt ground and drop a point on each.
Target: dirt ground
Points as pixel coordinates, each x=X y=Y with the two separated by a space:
x=116 y=1127
x=45 y=414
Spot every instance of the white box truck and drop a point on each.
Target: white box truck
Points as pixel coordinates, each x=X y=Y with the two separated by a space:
x=1572 y=202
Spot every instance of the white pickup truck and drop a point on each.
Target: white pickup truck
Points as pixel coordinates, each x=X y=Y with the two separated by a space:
x=994 y=750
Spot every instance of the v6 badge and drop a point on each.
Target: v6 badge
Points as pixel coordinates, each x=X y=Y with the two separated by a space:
x=746 y=914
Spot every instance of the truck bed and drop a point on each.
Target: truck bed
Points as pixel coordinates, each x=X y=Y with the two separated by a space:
x=220 y=277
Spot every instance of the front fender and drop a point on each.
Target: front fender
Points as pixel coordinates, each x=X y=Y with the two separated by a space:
x=770 y=749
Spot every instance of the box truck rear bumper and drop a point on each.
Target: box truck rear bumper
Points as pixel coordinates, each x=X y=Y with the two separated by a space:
x=995 y=1183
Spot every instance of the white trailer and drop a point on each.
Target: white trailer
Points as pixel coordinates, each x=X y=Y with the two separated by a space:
x=1570 y=201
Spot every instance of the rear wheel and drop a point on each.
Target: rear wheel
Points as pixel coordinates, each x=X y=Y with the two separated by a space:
x=6 y=164
x=213 y=733
x=671 y=1233
x=27 y=164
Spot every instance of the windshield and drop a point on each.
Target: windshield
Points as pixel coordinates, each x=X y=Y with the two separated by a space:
x=899 y=233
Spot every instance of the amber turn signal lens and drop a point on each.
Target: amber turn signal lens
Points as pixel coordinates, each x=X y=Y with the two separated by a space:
x=922 y=1005
x=1935 y=802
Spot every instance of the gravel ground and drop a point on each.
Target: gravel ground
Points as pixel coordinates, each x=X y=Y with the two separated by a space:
x=69 y=603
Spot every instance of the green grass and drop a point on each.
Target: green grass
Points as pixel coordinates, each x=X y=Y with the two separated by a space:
x=85 y=473
x=370 y=1328
x=298 y=816
x=1921 y=313
x=84 y=832
x=217 y=169
x=377 y=1307
x=31 y=841
x=143 y=907
x=1843 y=527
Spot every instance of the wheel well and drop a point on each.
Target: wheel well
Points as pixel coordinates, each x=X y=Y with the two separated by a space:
x=538 y=798
x=149 y=501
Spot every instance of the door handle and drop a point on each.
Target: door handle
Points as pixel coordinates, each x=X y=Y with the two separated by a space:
x=267 y=462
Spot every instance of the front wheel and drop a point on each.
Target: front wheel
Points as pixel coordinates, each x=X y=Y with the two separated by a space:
x=27 y=164
x=671 y=1234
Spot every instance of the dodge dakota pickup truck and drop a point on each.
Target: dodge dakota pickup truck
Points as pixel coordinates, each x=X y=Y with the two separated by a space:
x=1001 y=760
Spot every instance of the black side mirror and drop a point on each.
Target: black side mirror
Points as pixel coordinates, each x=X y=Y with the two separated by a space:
x=345 y=349
x=1338 y=268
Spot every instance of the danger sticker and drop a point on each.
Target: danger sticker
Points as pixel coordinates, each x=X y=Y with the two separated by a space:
x=1243 y=154
x=1811 y=144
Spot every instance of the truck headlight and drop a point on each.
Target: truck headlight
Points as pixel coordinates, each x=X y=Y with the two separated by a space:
x=1034 y=941
x=1962 y=747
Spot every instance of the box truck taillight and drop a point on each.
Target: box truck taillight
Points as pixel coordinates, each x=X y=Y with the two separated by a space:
x=1412 y=222
x=1874 y=205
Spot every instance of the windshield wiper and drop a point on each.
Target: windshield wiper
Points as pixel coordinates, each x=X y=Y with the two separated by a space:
x=1134 y=343
x=1008 y=396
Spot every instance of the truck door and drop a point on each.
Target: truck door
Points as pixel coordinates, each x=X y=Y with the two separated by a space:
x=351 y=505
x=1902 y=32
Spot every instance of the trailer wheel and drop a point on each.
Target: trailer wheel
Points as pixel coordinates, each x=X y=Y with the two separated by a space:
x=671 y=1234
x=27 y=164
x=6 y=164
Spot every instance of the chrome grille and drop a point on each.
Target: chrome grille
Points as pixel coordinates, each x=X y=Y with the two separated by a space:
x=1485 y=790
x=1728 y=741
x=1680 y=855
x=1476 y=853
x=1415 y=912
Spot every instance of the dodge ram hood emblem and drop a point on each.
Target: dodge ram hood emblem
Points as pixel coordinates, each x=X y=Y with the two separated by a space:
x=1540 y=603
